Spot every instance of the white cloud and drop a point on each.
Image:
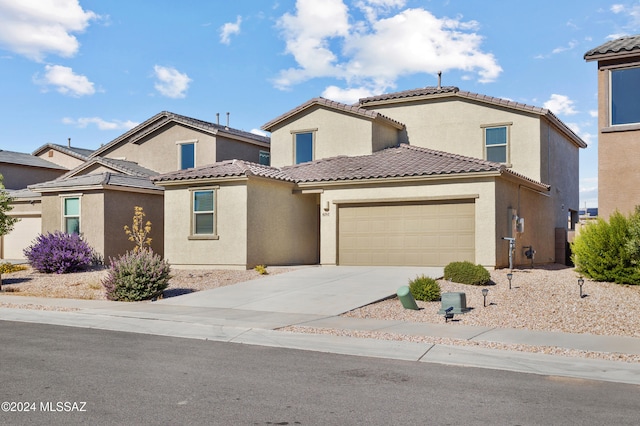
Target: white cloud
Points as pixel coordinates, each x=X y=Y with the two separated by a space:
x=229 y=29
x=66 y=81
x=560 y=104
x=373 y=54
x=258 y=132
x=588 y=192
x=570 y=46
x=100 y=123
x=593 y=113
x=347 y=96
x=35 y=28
x=171 y=83
x=631 y=13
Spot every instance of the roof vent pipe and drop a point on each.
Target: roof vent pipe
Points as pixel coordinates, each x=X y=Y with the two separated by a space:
x=218 y=118
x=69 y=142
x=439 y=80
x=227 y=121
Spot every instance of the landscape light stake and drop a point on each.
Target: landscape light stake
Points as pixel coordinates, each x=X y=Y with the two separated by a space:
x=510 y=277
x=485 y=291
x=580 y=284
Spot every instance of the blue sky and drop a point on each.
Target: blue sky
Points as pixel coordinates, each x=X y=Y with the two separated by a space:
x=89 y=70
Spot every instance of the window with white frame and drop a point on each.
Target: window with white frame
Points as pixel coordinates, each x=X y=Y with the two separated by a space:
x=71 y=215
x=203 y=217
x=496 y=143
x=624 y=102
x=303 y=147
x=186 y=154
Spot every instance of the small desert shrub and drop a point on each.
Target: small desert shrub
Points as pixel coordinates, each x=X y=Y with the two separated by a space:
x=7 y=268
x=424 y=288
x=261 y=269
x=137 y=275
x=60 y=253
x=610 y=250
x=466 y=273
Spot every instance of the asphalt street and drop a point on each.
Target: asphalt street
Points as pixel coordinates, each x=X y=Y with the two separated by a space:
x=72 y=375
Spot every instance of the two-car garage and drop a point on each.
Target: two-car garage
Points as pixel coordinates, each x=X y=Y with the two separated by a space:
x=408 y=233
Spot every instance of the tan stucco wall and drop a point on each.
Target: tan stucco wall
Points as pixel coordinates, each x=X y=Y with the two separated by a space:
x=454 y=125
x=91 y=216
x=337 y=134
x=158 y=151
x=282 y=227
x=228 y=251
x=539 y=231
x=119 y=210
x=618 y=171
x=485 y=239
x=19 y=177
x=60 y=158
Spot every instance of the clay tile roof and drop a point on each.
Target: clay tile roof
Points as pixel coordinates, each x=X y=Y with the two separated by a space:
x=223 y=169
x=410 y=93
x=12 y=157
x=619 y=47
x=96 y=180
x=397 y=162
x=352 y=109
x=80 y=153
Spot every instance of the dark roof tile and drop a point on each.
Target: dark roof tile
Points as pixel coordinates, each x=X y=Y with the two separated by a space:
x=618 y=47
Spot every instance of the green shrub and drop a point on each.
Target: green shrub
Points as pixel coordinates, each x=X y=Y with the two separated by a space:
x=137 y=275
x=424 y=288
x=466 y=273
x=610 y=251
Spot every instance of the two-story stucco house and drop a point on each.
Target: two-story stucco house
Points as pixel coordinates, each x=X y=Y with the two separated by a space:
x=619 y=124
x=420 y=177
x=97 y=196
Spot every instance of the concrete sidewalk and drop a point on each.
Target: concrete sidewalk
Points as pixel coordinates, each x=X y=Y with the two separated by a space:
x=248 y=313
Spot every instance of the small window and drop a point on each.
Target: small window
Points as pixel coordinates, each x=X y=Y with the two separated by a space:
x=495 y=141
x=187 y=155
x=71 y=215
x=625 y=86
x=203 y=217
x=264 y=158
x=303 y=147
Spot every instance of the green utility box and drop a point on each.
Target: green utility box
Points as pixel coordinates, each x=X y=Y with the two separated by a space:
x=406 y=298
x=456 y=300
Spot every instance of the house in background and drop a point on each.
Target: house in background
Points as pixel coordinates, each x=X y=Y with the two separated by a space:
x=98 y=195
x=420 y=177
x=20 y=170
x=618 y=123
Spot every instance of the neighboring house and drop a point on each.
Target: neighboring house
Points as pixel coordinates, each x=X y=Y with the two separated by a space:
x=20 y=170
x=65 y=156
x=421 y=177
x=97 y=197
x=618 y=123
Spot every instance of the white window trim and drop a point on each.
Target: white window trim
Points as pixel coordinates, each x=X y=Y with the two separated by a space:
x=192 y=214
x=313 y=142
x=484 y=128
x=195 y=151
x=63 y=217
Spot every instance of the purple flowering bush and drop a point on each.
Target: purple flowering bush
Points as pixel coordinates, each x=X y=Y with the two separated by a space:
x=60 y=253
x=137 y=275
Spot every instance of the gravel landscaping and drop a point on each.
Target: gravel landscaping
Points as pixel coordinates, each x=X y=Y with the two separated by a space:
x=544 y=299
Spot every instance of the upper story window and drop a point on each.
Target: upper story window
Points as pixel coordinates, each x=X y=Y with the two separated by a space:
x=186 y=154
x=71 y=215
x=303 y=147
x=624 y=89
x=496 y=143
x=264 y=158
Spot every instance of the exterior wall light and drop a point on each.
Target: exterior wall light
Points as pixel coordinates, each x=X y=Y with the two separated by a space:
x=510 y=277
x=580 y=284
x=485 y=291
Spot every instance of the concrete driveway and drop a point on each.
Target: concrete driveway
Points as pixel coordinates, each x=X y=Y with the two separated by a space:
x=322 y=290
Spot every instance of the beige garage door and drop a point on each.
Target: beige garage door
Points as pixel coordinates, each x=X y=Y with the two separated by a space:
x=414 y=234
x=23 y=234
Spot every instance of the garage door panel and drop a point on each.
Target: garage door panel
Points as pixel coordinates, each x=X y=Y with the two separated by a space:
x=410 y=234
x=24 y=232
